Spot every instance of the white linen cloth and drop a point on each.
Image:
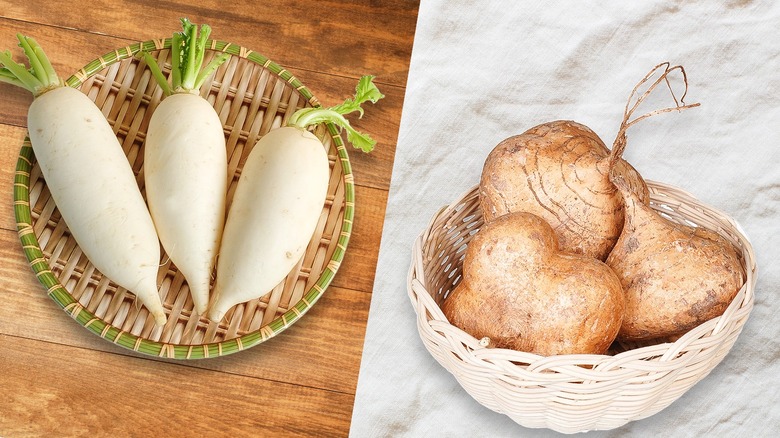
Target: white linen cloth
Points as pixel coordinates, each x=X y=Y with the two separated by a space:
x=482 y=71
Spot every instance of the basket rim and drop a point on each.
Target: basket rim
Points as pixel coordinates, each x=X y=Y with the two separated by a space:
x=601 y=363
x=60 y=295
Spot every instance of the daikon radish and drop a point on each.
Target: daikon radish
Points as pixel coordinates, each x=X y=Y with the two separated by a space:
x=278 y=201
x=89 y=178
x=185 y=163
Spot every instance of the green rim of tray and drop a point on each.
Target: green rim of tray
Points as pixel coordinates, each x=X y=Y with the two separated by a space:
x=57 y=292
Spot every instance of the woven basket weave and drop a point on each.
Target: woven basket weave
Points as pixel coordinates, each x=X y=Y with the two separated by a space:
x=571 y=393
x=252 y=95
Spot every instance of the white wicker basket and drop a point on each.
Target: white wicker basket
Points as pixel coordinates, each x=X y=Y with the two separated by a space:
x=571 y=393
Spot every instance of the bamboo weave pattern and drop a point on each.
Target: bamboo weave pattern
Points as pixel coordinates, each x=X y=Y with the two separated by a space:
x=252 y=95
x=571 y=393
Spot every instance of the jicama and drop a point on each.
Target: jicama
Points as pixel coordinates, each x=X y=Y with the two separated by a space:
x=89 y=178
x=185 y=163
x=521 y=292
x=278 y=201
x=561 y=171
x=675 y=276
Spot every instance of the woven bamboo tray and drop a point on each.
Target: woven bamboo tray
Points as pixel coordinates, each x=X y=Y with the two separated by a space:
x=570 y=393
x=252 y=95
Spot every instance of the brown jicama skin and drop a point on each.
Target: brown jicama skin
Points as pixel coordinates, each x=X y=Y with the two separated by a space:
x=675 y=277
x=522 y=293
x=561 y=170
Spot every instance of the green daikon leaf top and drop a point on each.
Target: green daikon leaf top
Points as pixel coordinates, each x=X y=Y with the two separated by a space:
x=188 y=49
x=365 y=91
x=39 y=78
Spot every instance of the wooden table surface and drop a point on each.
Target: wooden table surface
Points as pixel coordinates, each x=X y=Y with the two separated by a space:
x=57 y=379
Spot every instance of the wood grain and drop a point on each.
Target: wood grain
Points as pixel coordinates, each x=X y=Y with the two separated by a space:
x=339 y=38
x=82 y=392
x=10 y=142
x=60 y=380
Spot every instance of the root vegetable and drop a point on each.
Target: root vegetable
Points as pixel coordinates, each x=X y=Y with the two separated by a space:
x=185 y=164
x=277 y=203
x=89 y=178
x=675 y=276
x=560 y=172
x=522 y=293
